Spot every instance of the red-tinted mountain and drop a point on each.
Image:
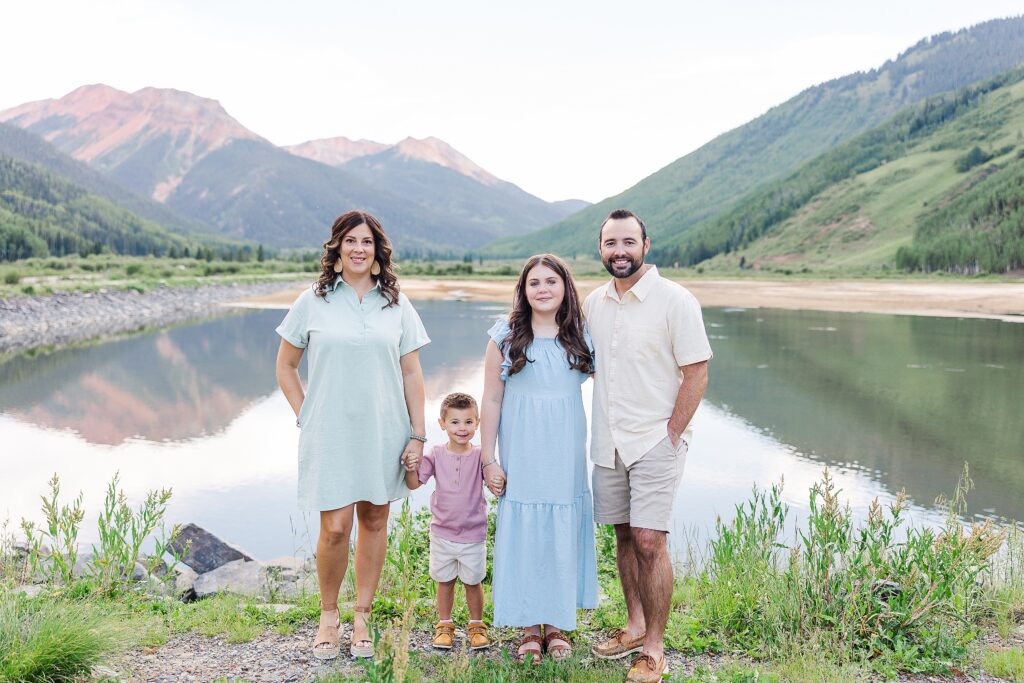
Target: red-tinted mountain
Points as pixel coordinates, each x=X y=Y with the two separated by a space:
x=340 y=150
x=188 y=153
x=336 y=151
x=433 y=174
x=147 y=140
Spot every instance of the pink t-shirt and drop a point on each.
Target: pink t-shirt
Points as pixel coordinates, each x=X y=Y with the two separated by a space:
x=457 y=504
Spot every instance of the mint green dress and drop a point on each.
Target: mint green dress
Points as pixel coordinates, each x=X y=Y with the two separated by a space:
x=355 y=423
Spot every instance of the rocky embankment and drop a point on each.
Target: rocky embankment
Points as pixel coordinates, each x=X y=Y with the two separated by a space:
x=28 y=322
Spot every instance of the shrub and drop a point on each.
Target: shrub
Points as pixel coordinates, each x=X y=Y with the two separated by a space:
x=907 y=596
x=12 y=277
x=45 y=641
x=975 y=157
x=122 y=533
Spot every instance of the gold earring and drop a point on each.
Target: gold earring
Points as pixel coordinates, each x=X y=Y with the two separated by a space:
x=338 y=266
x=375 y=268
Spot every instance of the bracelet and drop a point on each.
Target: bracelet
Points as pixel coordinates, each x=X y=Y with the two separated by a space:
x=417 y=437
x=492 y=461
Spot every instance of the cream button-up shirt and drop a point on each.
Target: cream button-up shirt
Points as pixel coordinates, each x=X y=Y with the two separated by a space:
x=640 y=342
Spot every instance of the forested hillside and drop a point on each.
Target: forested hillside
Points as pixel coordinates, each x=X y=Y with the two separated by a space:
x=708 y=181
x=944 y=175
x=981 y=229
x=43 y=215
x=25 y=146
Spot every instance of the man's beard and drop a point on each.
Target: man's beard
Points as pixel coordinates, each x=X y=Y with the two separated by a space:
x=634 y=265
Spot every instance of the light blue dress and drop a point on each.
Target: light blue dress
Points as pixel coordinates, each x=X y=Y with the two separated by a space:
x=355 y=422
x=545 y=566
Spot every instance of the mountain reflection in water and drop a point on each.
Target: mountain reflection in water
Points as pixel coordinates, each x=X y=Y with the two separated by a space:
x=887 y=401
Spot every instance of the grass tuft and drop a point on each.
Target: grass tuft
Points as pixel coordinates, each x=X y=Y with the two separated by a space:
x=53 y=641
x=1007 y=664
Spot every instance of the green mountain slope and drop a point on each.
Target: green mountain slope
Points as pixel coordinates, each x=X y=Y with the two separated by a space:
x=42 y=214
x=948 y=168
x=981 y=229
x=25 y=146
x=251 y=189
x=496 y=210
x=709 y=180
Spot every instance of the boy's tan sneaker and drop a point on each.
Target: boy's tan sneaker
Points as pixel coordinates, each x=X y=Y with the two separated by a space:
x=619 y=645
x=444 y=635
x=478 y=639
x=646 y=669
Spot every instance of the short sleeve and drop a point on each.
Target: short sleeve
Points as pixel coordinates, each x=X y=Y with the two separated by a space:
x=414 y=335
x=686 y=328
x=498 y=333
x=426 y=470
x=294 y=329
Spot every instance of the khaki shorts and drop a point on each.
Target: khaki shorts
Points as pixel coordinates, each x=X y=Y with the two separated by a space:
x=450 y=560
x=643 y=494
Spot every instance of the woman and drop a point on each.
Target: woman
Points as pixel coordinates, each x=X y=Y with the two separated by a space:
x=545 y=566
x=361 y=416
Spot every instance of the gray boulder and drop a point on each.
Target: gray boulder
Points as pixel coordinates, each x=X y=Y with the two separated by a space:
x=290 y=577
x=29 y=590
x=243 y=577
x=283 y=577
x=205 y=552
x=184 y=582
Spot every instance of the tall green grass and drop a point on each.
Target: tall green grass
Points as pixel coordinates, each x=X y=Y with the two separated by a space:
x=841 y=600
x=902 y=598
x=49 y=641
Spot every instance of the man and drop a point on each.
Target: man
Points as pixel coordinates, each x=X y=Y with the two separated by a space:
x=651 y=355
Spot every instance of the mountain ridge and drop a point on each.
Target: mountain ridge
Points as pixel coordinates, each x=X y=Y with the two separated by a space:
x=147 y=140
x=713 y=177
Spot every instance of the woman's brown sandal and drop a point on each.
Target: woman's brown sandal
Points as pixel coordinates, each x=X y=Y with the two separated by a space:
x=558 y=651
x=326 y=645
x=362 y=649
x=534 y=655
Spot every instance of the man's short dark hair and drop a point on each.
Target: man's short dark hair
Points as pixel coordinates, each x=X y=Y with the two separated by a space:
x=619 y=214
x=458 y=401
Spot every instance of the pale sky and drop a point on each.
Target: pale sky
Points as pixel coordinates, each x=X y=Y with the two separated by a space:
x=565 y=99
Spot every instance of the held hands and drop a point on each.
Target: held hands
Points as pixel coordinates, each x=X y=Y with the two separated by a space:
x=494 y=477
x=412 y=456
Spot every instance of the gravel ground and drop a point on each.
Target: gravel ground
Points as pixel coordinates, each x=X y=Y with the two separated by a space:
x=68 y=317
x=272 y=657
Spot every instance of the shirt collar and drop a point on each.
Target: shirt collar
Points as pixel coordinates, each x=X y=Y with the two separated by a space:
x=340 y=282
x=640 y=290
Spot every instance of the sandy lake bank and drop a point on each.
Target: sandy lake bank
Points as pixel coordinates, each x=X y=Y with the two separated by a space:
x=996 y=300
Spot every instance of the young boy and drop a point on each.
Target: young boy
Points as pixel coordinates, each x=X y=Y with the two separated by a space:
x=458 y=528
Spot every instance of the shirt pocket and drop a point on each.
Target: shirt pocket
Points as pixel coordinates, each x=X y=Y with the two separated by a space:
x=647 y=341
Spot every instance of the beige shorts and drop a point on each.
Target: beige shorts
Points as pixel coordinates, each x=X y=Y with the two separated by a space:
x=449 y=560
x=643 y=494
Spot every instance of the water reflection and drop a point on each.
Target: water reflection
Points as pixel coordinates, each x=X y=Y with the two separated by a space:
x=906 y=399
x=171 y=385
x=887 y=401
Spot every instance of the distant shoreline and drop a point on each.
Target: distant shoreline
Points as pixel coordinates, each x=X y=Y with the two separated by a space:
x=28 y=322
x=65 y=318
x=989 y=300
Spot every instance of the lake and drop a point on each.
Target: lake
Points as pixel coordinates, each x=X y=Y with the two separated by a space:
x=886 y=402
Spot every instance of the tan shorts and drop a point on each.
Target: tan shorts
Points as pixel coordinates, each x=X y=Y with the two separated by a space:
x=643 y=494
x=449 y=560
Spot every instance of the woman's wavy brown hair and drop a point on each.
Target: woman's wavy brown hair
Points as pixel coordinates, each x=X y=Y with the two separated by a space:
x=381 y=254
x=569 y=319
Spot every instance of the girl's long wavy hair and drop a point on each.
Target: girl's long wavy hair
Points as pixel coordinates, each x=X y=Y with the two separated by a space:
x=569 y=318
x=344 y=223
